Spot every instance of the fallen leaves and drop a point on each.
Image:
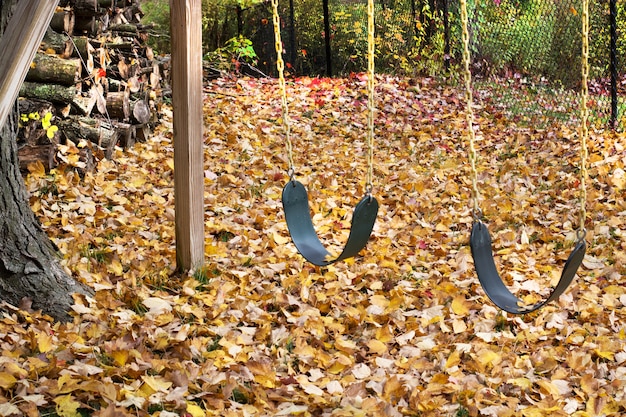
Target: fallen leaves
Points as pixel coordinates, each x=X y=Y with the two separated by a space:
x=404 y=329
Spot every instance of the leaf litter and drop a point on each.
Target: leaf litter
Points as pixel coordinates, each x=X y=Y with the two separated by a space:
x=403 y=329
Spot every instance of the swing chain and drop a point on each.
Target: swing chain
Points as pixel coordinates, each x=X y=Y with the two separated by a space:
x=469 y=113
x=370 y=97
x=584 y=134
x=280 y=66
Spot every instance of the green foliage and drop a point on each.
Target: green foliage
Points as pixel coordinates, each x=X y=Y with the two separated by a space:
x=310 y=36
x=157 y=14
x=236 y=51
x=402 y=44
x=462 y=412
x=46 y=122
x=349 y=37
x=528 y=36
x=219 y=23
x=405 y=46
x=599 y=41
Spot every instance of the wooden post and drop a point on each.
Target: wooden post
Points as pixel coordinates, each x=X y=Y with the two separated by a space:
x=186 y=35
x=18 y=46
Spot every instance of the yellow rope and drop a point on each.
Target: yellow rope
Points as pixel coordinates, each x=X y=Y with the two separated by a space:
x=469 y=113
x=584 y=116
x=280 y=66
x=370 y=96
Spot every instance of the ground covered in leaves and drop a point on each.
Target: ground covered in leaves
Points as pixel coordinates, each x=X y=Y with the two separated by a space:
x=403 y=329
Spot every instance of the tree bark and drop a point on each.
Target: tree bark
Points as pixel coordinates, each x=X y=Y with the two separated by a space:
x=53 y=69
x=60 y=44
x=50 y=92
x=29 y=264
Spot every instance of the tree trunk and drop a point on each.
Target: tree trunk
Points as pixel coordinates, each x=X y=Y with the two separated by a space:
x=29 y=265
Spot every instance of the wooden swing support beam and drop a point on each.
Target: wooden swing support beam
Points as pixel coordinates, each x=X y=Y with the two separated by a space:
x=18 y=46
x=186 y=31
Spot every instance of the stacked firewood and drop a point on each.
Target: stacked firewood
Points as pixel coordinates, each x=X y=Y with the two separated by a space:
x=98 y=79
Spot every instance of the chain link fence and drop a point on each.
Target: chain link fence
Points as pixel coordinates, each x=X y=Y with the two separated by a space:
x=533 y=44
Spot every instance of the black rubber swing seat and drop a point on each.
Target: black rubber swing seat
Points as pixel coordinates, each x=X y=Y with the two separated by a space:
x=300 y=225
x=496 y=290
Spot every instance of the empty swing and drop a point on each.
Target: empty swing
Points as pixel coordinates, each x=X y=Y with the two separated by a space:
x=295 y=198
x=480 y=240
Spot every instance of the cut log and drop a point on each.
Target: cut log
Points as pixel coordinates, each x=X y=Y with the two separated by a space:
x=140 y=111
x=85 y=155
x=118 y=105
x=127 y=134
x=54 y=70
x=123 y=69
x=124 y=29
x=32 y=153
x=134 y=84
x=117 y=85
x=84 y=51
x=103 y=57
x=86 y=7
x=27 y=106
x=143 y=132
x=59 y=44
x=76 y=128
x=50 y=92
x=63 y=21
x=88 y=25
x=109 y=142
x=85 y=102
x=122 y=46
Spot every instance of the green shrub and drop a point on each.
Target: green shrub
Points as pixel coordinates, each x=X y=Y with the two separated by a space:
x=534 y=37
x=237 y=50
x=157 y=14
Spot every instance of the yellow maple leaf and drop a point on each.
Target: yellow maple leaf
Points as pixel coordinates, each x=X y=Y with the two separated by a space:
x=523 y=383
x=115 y=267
x=454 y=359
x=486 y=357
x=66 y=406
x=460 y=306
x=7 y=380
x=120 y=357
x=280 y=240
x=604 y=354
x=376 y=346
x=157 y=383
x=37 y=169
x=44 y=342
x=384 y=334
x=549 y=388
x=195 y=410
